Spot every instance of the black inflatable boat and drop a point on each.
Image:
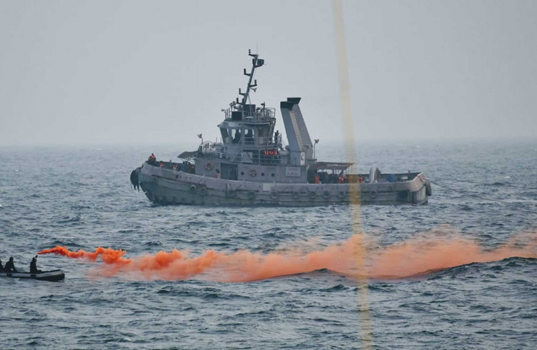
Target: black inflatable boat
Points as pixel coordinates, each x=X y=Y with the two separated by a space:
x=52 y=276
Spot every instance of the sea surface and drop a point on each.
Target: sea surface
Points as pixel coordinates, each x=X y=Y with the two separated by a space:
x=80 y=197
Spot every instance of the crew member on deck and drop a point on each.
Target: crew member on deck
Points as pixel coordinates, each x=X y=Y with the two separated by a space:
x=341 y=178
x=152 y=159
x=10 y=267
x=218 y=174
x=33 y=266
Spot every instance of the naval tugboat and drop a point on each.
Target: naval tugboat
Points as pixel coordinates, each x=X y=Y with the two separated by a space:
x=252 y=167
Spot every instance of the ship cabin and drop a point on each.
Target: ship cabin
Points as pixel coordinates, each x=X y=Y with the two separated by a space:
x=248 y=135
x=252 y=150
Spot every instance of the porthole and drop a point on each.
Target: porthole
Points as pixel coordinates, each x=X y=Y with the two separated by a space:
x=262 y=174
x=272 y=175
x=242 y=172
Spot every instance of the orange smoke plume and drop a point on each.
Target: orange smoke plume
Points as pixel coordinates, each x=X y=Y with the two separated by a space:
x=416 y=256
x=423 y=255
x=108 y=255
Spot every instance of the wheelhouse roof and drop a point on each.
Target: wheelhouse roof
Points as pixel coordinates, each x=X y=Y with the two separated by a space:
x=330 y=166
x=187 y=154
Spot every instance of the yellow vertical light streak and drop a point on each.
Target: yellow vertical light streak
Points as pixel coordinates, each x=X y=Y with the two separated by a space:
x=354 y=189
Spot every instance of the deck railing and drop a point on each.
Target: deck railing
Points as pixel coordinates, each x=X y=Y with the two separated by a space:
x=258 y=157
x=260 y=115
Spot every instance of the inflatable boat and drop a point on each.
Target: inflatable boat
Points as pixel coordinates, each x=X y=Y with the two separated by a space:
x=52 y=276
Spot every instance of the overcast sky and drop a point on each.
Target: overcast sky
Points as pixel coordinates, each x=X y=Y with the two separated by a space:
x=93 y=72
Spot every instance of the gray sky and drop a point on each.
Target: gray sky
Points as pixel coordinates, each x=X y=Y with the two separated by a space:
x=74 y=72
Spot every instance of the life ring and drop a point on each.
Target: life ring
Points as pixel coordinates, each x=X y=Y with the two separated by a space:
x=253 y=173
x=192 y=188
x=373 y=194
x=203 y=191
x=274 y=195
x=341 y=195
x=296 y=195
x=251 y=195
x=209 y=166
x=313 y=195
x=326 y=194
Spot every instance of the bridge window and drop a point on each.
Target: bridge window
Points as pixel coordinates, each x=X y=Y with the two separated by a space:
x=249 y=137
x=235 y=135
x=225 y=135
x=262 y=135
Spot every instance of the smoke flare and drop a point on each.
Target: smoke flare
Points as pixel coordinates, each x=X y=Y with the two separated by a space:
x=108 y=255
x=413 y=257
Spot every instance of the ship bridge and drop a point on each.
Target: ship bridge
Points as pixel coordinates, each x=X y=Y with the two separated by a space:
x=247 y=127
x=251 y=148
x=254 y=129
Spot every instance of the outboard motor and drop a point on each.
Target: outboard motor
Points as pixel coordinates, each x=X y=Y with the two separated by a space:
x=134 y=179
x=374 y=174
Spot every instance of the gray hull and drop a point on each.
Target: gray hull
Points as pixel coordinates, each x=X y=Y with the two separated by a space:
x=166 y=186
x=51 y=276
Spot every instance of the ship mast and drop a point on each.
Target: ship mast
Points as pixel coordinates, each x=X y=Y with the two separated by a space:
x=256 y=63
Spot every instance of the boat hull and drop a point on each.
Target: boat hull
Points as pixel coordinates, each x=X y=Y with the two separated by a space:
x=51 y=276
x=166 y=186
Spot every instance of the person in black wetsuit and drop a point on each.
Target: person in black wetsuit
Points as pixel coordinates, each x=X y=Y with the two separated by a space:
x=33 y=266
x=10 y=267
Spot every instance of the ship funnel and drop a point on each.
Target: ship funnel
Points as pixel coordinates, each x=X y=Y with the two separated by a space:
x=298 y=137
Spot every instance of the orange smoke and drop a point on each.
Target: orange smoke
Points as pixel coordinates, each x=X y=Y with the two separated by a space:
x=108 y=255
x=419 y=256
x=416 y=256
